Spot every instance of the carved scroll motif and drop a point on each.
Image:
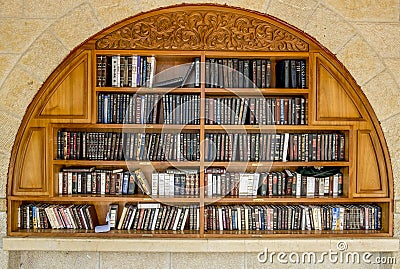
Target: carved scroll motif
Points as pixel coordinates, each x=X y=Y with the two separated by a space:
x=202 y=30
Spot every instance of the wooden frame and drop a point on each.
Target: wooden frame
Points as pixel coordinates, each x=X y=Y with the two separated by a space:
x=68 y=99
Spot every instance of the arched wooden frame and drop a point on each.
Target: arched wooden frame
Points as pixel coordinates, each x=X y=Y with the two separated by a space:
x=68 y=95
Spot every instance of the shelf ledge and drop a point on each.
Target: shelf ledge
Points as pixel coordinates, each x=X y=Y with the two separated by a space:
x=199 y=245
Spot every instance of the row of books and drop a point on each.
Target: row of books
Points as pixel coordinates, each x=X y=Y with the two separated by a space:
x=264 y=111
x=275 y=147
x=175 y=182
x=90 y=180
x=294 y=217
x=238 y=73
x=291 y=74
x=218 y=182
x=76 y=145
x=57 y=216
x=125 y=71
x=154 y=216
x=120 y=108
x=254 y=73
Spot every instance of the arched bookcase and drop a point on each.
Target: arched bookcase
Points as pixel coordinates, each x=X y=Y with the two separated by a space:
x=71 y=102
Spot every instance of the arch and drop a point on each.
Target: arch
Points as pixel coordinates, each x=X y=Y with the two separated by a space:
x=68 y=96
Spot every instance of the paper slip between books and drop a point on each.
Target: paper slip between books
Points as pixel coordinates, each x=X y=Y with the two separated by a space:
x=104 y=228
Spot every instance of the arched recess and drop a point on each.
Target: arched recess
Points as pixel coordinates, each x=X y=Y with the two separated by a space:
x=68 y=96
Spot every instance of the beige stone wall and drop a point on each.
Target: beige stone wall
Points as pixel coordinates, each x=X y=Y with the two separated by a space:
x=37 y=34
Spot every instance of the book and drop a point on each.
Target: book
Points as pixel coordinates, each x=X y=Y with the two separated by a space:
x=113 y=213
x=142 y=181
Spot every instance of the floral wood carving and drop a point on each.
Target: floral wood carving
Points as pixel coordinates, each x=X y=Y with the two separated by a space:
x=202 y=30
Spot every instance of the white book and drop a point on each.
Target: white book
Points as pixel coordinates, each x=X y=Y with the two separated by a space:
x=285 y=147
x=89 y=183
x=154 y=184
x=178 y=215
x=214 y=184
x=335 y=185
x=60 y=183
x=250 y=182
x=218 y=185
x=198 y=219
x=69 y=184
x=166 y=184
x=106 y=105
x=161 y=184
x=326 y=187
x=209 y=185
x=152 y=70
x=148 y=205
x=243 y=184
x=310 y=186
x=171 y=184
x=246 y=217
x=134 y=70
x=153 y=226
x=298 y=185
x=122 y=218
x=115 y=70
x=79 y=189
x=239 y=218
x=256 y=180
x=103 y=183
x=221 y=223
x=184 y=219
x=132 y=218
x=321 y=186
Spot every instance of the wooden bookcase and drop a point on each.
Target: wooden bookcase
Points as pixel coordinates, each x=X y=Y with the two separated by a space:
x=176 y=35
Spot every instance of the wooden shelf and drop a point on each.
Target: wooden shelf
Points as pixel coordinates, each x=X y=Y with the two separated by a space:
x=294 y=233
x=137 y=198
x=112 y=233
x=291 y=200
x=144 y=90
x=157 y=164
x=242 y=92
x=271 y=128
x=246 y=165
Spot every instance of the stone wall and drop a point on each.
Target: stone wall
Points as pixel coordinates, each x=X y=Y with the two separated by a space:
x=37 y=34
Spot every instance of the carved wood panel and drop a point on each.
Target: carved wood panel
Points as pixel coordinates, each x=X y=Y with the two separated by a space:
x=202 y=30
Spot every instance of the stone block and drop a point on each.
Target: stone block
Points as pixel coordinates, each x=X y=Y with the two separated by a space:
x=396 y=224
x=48 y=9
x=12 y=9
x=393 y=65
x=366 y=10
x=383 y=37
x=77 y=26
x=16 y=94
x=4 y=260
x=4 y=162
x=9 y=129
x=207 y=260
x=59 y=260
x=377 y=91
x=294 y=12
x=391 y=130
x=329 y=28
x=3 y=224
x=134 y=260
x=45 y=54
x=7 y=62
x=18 y=34
x=360 y=59
x=3 y=205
